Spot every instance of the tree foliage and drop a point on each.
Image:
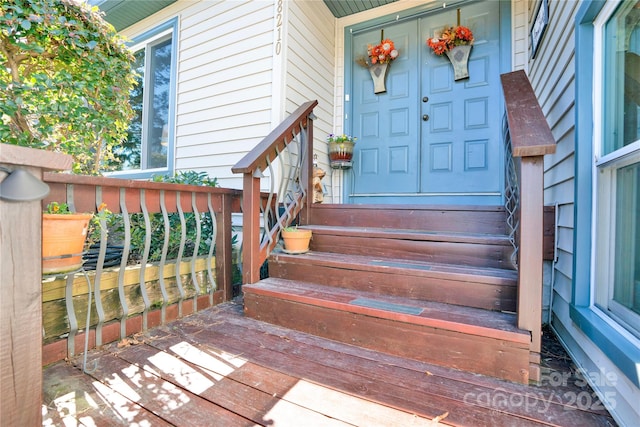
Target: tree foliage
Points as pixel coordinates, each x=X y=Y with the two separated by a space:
x=65 y=80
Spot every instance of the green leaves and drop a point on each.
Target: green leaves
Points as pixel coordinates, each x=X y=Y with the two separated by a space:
x=59 y=65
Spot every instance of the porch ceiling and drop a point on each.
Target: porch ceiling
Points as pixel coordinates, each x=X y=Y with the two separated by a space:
x=341 y=8
x=123 y=13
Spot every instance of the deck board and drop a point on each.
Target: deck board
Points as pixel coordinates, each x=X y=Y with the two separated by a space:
x=218 y=367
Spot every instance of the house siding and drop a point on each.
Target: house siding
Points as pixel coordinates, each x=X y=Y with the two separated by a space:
x=233 y=87
x=310 y=71
x=552 y=75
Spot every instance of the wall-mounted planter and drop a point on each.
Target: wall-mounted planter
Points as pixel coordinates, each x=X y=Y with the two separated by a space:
x=378 y=75
x=341 y=154
x=459 y=57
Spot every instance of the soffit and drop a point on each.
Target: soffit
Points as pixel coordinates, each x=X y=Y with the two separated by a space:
x=342 y=8
x=124 y=13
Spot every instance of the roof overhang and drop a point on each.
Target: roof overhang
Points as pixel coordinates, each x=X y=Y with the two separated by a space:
x=124 y=13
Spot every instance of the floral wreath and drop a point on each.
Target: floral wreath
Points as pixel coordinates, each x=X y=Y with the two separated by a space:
x=450 y=38
x=383 y=53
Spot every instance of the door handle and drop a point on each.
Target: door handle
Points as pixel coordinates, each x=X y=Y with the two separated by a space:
x=425 y=99
x=425 y=117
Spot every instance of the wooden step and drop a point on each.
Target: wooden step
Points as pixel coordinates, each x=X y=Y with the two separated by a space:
x=462 y=219
x=471 y=249
x=481 y=341
x=487 y=288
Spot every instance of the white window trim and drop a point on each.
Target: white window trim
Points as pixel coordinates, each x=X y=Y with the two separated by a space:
x=171 y=27
x=601 y=164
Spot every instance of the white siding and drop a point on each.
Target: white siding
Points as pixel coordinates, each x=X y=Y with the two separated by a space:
x=552 y=74
x=310 y=75
x=233 y=88
x=224 y=85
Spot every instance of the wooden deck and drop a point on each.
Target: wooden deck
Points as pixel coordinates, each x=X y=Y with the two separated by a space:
x=219 y=368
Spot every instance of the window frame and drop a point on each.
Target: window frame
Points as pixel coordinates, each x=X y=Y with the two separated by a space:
x=617 y=343
x=146 y=40
x=606 y=165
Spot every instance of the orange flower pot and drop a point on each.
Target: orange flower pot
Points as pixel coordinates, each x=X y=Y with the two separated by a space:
x=63 y=238
x=296 y=241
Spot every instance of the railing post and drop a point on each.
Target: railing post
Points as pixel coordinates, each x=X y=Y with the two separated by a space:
x=251 y=229
x=307 y=173
x=530 y=261
x=531 y=139
x=224 y=249
x=21 y=290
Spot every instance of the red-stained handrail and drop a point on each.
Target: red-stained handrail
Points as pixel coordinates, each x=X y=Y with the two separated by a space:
x=296 y=169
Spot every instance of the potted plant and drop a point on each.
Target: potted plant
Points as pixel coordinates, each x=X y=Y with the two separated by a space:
x=456 y=44
x=296 y=240
x=64 y=234
x=341 y=151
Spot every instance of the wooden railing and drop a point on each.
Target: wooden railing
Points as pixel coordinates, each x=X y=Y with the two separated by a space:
x=531 y=139
x=291 y=145
x=159 y=285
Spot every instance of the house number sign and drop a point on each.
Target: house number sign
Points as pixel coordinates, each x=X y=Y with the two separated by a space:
x=539 y=25
x=279 y=27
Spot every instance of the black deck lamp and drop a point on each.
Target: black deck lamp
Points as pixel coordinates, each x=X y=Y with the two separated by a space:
x=20 y=186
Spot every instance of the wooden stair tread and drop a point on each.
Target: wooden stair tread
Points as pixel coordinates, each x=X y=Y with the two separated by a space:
x=467 y=320
x=415 y=268
x=412 y=234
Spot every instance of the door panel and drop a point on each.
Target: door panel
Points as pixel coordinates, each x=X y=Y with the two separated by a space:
x=430 y=139
x=386 y=124
x=461 y=143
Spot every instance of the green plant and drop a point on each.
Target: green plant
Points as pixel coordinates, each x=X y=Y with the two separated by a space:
x=57 y=208
x=156 y=224
x=65 y=78
x=188 y=177
x=100 y=217
x=341 y=138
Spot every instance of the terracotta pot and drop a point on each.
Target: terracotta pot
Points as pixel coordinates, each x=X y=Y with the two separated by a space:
x=296 y=241
x=63 y=238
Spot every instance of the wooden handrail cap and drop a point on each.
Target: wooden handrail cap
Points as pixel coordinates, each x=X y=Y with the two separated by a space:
x=528 y=127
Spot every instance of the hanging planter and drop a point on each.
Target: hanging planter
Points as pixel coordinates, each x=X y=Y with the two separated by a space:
x=377 y=61
x=341 y=151
x=456 y=44
x=459 y=57
x=379 y=74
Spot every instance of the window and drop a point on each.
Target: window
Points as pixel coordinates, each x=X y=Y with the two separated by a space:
x=617 y=165
x=149 y=146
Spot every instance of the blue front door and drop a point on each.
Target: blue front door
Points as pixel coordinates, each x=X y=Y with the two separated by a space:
x=429 y=139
